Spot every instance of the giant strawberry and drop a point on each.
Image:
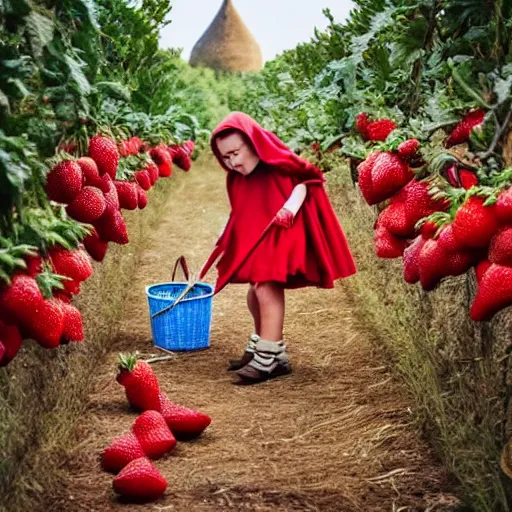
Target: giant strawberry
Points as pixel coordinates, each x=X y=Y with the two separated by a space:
x=411 y=260
x=388 y=245
x=184 y=423
x=88 y=205
x=494 y=293
x=111 y=227
x=96 y=247
x=140 y=480
x=127 y=193
x=45 y=324
x=91 y=173
x=153 y=434
x=140 y=383
x=103 y=151
x=475 y=224
x=74 y=264
x=20 y=298
x=500 y=250
x=64 y=182
x=121 y=451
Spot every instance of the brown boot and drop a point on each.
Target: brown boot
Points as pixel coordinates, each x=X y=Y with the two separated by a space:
x=236 y=364
x=269 y=361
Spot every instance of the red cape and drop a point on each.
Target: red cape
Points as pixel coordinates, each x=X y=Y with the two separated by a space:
x=313 y=252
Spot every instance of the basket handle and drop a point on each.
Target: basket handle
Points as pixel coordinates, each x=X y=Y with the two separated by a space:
x=184 y=267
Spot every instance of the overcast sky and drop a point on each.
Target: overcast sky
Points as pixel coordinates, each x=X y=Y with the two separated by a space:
x=277 y=25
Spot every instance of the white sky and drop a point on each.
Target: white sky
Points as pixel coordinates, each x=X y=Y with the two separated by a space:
x=277 y=25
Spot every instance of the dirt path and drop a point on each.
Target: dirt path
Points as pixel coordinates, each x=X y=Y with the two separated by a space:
x=335 y=435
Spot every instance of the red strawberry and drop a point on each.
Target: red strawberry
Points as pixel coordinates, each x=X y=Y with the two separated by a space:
x=111 y=227
x=182 y=159
x=364 y=180
x=45 y=324
x=189 y=146
x=153 y=434
x=418 y=201
x=20 y=298
x=152 y=170
x=481 y=268
x=140 y=480
x=142 y=198
x=160 y=155
x=411 y=260
x=468 y=179
x=389 y=175
x=127 y=193
x=503 y=206
x=103 y=151
x=394 y=219
x=463 y=130
x=64 y=182
x=165 y=170
x=500 y=250
x=140 y=383
x=380 y=130
x=121 y=451
x=475 y=224
x=388 y=245
x=88 y=205
x=10 y=341
x=428 y=229
x=447 y=239
x=362 y=123
x=73 y=324
x=34 y=265
x=431 y=263
x=409 y=148
x=143 y=179
x=184 y=423
x=96 y=247
x=91 y=173
x=494 y=293
x=75 y=264
x=111 y=197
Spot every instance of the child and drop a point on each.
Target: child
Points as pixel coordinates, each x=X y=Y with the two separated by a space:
x=282 y=233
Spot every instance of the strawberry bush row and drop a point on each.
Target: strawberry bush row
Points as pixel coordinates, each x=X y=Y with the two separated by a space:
x=79 y=143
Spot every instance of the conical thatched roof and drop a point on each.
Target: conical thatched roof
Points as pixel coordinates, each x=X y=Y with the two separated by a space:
x=227 y=44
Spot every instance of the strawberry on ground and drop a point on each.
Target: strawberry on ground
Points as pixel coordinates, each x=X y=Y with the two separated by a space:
x=140 y=480
x=121 y=451
x=10 y=339
x=64 y=182
x=153 y=434
x=103 y=151
x=88 y=205
x=140 y=383
x=184 y=423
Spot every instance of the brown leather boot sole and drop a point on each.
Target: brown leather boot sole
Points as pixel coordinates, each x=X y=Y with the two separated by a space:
x=250 y=375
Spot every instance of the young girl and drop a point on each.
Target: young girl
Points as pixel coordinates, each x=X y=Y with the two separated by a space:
x=282 y=233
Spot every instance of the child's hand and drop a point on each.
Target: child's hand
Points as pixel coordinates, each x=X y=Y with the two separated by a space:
x=284 y=218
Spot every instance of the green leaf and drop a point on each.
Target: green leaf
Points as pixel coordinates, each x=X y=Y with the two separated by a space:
x=77 y=75
x=88 y=8
x=4 y=102
x=502 y=88
x=40 y=30
x=115 y=90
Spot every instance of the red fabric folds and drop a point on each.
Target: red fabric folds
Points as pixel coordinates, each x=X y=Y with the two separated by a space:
x=313 y=252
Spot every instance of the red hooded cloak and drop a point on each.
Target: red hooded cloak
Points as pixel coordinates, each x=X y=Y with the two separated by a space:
x=313 y=252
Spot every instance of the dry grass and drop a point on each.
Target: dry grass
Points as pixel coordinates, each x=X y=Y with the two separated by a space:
x=457 y=372
x=336 y=435
x=43 y=394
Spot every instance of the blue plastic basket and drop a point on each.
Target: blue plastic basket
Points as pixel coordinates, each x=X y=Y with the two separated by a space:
x=187 y=325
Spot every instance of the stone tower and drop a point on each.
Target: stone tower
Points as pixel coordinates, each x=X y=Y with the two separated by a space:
x=227 y=44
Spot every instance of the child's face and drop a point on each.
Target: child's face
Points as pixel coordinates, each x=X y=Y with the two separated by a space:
x=238 y=155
